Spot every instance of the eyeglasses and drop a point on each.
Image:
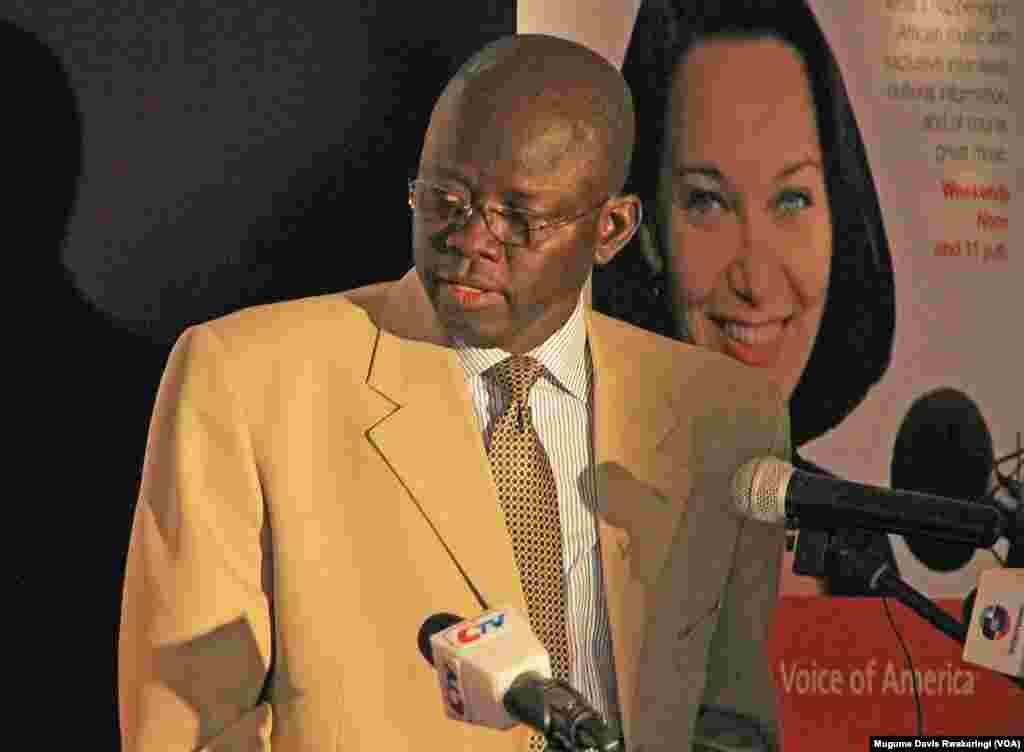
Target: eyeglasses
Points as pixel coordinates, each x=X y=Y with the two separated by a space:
x=454 y=205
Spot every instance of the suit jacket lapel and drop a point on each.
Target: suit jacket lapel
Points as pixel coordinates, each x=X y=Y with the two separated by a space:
x=641 y=492
x=432 y=443
x=641 y=489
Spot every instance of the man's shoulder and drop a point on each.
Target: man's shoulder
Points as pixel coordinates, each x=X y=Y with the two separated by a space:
x=300 y=331
x=372 y=297
x=311 y=315
x=660 y=356
x=345 y=324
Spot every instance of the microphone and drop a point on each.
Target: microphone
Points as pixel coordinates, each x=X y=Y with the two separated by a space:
x=494 y=672
x=943 y=446
x=770 y=490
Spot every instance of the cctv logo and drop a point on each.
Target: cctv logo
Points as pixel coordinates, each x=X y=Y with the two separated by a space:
x=473 y=632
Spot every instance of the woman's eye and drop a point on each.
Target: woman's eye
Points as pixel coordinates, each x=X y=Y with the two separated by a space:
x=703 y=200
x=790 y=202
x=700 y=204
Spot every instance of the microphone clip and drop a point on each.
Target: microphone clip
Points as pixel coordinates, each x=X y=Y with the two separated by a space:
x=561 y=713
x=817 y=552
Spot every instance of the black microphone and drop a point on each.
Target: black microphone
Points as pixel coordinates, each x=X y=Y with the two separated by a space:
x=770 y=490
x=494 y=672
x=943 y=446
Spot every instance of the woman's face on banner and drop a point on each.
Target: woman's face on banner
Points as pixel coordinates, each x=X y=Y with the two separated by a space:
x=744 y=207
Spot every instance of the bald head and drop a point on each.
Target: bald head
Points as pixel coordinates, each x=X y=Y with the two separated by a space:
x=537 y=131
x=566 y=101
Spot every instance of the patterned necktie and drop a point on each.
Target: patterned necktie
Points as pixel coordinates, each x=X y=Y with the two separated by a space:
x=527 y=493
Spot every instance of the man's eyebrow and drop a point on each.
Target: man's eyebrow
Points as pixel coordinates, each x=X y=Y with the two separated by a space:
x=446 y=173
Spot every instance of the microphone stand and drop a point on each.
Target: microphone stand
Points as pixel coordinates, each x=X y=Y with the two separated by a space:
x=867 y=565
x=1015 y=556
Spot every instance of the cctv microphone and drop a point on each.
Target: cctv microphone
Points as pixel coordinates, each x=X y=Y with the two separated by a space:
x=770 y=490
x=494 y=672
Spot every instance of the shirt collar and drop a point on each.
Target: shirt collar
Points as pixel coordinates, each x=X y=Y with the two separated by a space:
x=563 y=354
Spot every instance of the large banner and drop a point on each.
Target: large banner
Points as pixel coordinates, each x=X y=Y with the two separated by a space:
x=930 y=84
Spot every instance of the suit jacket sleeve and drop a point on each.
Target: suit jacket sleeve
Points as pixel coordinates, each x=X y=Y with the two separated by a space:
x=740 y=681
x=195 y=637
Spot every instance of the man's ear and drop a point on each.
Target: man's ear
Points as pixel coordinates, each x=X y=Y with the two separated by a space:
x=620 y=220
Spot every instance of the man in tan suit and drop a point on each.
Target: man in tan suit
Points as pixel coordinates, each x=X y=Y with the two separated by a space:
x=317 y=480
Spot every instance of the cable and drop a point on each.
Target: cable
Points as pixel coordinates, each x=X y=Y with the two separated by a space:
x=1001 y=483
x=910 y=665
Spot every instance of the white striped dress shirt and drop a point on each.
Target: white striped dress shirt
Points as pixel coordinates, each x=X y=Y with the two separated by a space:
x=561 y=406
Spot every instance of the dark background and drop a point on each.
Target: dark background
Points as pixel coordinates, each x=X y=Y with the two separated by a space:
x=232 y=154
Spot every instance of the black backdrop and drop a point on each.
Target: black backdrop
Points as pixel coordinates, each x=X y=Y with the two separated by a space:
x=231 y=154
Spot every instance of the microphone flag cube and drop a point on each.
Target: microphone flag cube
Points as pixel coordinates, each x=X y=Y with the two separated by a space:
x=478 y=659
x=994 y=634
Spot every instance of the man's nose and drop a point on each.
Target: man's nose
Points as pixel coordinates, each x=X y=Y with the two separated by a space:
x=473 y=237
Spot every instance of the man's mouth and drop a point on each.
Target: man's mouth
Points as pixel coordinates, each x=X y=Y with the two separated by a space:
x=466 y=288
x=465 y=293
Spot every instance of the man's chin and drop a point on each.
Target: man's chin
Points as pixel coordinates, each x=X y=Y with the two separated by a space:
x=471 y=333
x=475 y=338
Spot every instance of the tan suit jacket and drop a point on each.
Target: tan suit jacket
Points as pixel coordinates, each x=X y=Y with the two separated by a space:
x=316 y=485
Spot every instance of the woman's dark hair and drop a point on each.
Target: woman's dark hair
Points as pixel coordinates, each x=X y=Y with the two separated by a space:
x=854 y=343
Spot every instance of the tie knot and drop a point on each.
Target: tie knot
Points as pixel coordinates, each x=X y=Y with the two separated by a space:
x=516 y=375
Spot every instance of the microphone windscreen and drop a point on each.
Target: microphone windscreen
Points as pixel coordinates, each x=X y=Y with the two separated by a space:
x=943 y=447
x=431 y=626
x=759 y=489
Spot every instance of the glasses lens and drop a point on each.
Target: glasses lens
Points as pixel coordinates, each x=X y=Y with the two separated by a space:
x=510 y=227
x=449 y=204
x=438 y=202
